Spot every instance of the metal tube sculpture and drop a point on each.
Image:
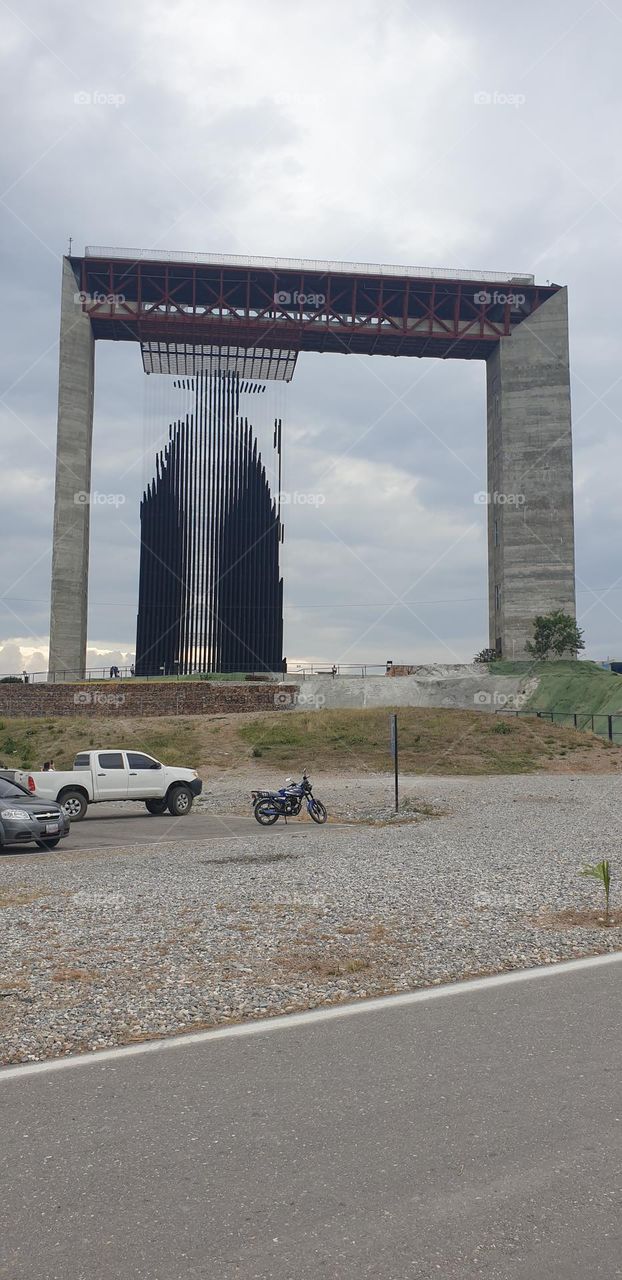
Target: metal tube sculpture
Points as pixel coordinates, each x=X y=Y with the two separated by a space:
x=210 y=591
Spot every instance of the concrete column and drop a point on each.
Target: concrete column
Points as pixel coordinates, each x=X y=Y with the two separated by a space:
x=70 y=549
x=530 y=513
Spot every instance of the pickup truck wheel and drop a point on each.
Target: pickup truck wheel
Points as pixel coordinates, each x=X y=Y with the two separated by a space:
x=73 y=805
x=155 y=806
x=179 y=801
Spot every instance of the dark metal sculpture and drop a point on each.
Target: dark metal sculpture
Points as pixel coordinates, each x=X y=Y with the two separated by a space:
x=210 y=593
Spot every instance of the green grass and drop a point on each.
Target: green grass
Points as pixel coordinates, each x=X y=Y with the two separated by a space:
x=568 y=686
x=431 y=741
x=25 y=744
x=435 y=741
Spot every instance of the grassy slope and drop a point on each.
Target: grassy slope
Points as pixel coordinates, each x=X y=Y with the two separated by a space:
x=27 y=743
x=568 y=686
x=434 y=741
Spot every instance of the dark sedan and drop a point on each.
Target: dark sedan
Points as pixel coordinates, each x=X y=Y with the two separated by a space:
x=26 y=820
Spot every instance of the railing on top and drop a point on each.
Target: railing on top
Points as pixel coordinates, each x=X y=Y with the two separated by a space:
x=310 y=265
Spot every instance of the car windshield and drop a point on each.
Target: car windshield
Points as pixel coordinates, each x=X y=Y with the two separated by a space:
x=12 y=790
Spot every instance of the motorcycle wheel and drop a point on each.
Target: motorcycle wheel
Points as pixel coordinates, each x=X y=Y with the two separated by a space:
x=265 y=813
x=317 y=811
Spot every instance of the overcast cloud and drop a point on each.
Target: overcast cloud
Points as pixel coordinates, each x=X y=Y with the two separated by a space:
x=348 y=130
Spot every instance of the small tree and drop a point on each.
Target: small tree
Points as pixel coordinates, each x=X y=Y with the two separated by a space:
x=555 y=633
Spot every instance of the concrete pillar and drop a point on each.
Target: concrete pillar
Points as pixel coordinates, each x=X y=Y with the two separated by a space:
x=70 y=549
x=530 y=512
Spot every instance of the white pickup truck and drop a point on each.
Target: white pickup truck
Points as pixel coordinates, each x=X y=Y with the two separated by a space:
x=116 y=775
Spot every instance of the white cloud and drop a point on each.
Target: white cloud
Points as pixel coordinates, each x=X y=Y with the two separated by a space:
x=334 y=130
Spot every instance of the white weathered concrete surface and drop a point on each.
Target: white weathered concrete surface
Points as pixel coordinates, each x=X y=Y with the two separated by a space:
x=530 y=524
x=70 y=555
x=469 y=687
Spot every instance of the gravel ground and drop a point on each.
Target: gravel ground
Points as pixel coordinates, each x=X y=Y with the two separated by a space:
x=119 y=946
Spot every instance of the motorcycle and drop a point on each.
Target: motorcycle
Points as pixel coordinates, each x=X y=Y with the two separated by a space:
x=269 y=806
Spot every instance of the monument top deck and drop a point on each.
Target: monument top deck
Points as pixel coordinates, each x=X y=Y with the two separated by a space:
x=310 y=265
x=180 y=300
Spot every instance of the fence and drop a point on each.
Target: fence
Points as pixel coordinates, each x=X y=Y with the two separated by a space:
x=126 y=673
x=605 y=724
x=303 y=671
x=295 y=669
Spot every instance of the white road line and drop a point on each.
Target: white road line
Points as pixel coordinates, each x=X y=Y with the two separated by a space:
x=289 y=1021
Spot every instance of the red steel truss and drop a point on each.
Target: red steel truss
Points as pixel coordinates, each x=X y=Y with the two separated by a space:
x=251 y=306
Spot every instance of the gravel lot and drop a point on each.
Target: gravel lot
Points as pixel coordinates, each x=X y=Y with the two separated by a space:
x=146 y=941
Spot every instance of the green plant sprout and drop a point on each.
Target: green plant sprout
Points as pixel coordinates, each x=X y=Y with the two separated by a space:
x=600 y=871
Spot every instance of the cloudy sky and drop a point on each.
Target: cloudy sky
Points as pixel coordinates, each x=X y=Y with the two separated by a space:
x=341 y=129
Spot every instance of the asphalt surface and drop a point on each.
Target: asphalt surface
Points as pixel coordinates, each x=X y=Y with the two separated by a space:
x=475 y=1135
x=107 y=826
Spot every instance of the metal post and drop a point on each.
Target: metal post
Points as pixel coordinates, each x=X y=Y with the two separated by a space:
x=394 y=753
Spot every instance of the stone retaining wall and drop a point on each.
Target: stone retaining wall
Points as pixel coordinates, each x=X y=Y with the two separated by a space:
x=136 y=698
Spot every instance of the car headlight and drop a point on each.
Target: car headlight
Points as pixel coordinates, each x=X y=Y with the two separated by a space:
x=14 y=813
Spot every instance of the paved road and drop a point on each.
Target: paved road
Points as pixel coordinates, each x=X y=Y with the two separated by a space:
x=475 y=1135
x=107 y=826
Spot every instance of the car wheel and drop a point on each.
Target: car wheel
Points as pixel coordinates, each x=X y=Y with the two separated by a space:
x=74 y=805
x=155 y=806
x=48 y=844
x=179 y=801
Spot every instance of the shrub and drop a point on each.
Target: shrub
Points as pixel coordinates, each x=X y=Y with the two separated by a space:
x=485 y=656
